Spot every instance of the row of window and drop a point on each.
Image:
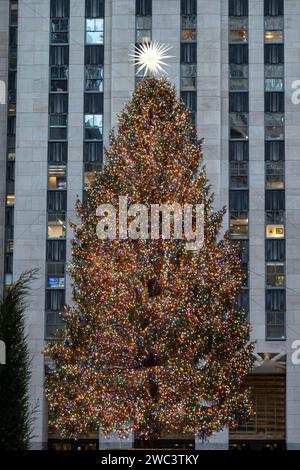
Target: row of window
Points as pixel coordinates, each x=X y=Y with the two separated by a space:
x=93 y=100
x=11 y=143
x=275 y=166
x=241 y=8
x=188 y=56
x=143 y=29
x=274 y=153
x=57 y=164
x=238 y=135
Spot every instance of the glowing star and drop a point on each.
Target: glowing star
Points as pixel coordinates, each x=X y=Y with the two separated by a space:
x=150 y=57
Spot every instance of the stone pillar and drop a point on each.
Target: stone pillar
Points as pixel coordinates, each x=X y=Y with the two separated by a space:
x=75 y=120
x=256 y=170
x=166 y=30
x=122 y=39
x=31 y=186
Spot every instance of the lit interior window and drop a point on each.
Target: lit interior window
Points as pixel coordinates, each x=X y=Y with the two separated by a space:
x=275 y=231
x=239 y=227
x=10 y=200
x=88 y=179
x=57 y=177
x=56 y=226
x=273 y=36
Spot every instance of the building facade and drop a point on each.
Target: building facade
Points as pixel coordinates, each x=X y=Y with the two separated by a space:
x=235 y=63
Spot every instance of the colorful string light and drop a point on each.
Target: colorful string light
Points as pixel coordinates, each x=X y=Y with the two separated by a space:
x=155 y=342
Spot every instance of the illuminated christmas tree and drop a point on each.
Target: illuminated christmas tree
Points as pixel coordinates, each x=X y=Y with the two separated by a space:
x=155 y=342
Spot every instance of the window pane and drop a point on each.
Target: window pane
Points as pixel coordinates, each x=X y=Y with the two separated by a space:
x=273 y=36
x=94 y=37
x=275 y=231
x=274 y=71
x=275 y=250
x=238 y=36
x=274 y=84
x=275 y=275
x=56 y=225
x=188 y=7
x=238 y=7
x=238 y=84
x=143 y=36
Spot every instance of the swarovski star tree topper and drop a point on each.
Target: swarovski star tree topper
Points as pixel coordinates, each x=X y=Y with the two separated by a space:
x=150 y=57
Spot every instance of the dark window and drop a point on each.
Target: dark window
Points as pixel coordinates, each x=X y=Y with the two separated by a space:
x=143 y=7
x=275 y=328
x=238 y=175
x=94 y=55
x=13 y=37
x=238 y=103
x=188 y=53
x=274 y=102
x=274 y=151
x=274 y=7
x=243 y=246
x=93 y=103
x=11 y=126
x=243 y=300
x=57 y=201
x=58 y=104
x=12 y=80
x=55 y=300
x=60 y=8
x=8 y=263
x=238 y=7
x=93 y=152
x=275 y=201
x=10 y=171
x=274 y=54
x=56 y=250
x=188 y=7
x=275 y=300
x=59 y=31
x=238 y=200
x=55 y=269
x=275 y=250
x=238 y=54
x=59 y=55
x=58 y=152
x=94 y=8
x=190 y=99
x=9 y=216
x=238 y=151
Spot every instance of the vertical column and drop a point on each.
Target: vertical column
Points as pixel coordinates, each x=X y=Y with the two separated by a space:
x=256 y=170
x=143 y=30
x=75 y=119
x=31 y=185
x=57 y=164
x=166 y=30
x=122 y=40
x=93 y=90
x=292 y=167
x=4 y=22
x=274 y=169
x=238 y=15
x=212 y=118
x=11 y=142
x=209 y=89
x=223 y=198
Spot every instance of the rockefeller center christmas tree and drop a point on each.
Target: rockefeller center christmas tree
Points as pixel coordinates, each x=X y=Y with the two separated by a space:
x=154 y=342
